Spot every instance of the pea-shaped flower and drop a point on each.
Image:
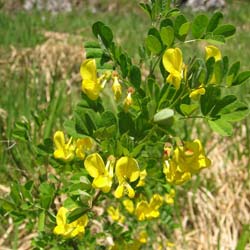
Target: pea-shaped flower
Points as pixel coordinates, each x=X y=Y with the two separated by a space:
x=69 y=230
x=187 y=160
x=117 y=88
x=102 y=174
x=82 y=146
x=127 y=170
x=91 y=85
x=173 y=63
x=64 y=151
x=145 y=210
x=213 y=51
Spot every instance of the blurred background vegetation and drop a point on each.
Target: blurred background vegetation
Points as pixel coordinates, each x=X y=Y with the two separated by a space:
x=40 y=55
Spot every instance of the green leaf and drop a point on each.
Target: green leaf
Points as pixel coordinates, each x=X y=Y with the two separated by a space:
x=96 y=28
x=123 y=65
x=164 y=117
x=46 y=191
x=41 y=221
x=94 y=53
x=135 y=76
x=153 y=44
x=104 y=32
x=15 y=193
x=221 y=127
x=199 y=26
x=210 y=98
x=166 y=22
x=234 y=112
x=7 y=205
x=91 y=44
x=106 y=35
x=225 y=30
x=242 y=77
x=233 y=71
x=214 y=39
x=179 y=21
x=167 y=35
x=146 y=8
x=76 y=214
x=183 y=31
x=214 y=21
x=226 y=100
x=218 y=71
x=108 y=119
x=187 y=110
x=126 y=123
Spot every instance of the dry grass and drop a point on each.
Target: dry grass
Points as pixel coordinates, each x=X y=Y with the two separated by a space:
x=215 y=219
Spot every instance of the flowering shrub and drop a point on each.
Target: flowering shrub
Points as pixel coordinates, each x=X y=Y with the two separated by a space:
x=113 y=180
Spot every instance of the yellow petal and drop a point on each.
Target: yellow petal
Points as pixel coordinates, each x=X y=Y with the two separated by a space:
x=155 y=202
x=212 y=51
x=88 y=70
x=172 y=60
x=61 y=216
x=142 y=209
x=94 y=165
x=91 y=88
x=117 y=89
x=119 y=191
x=195 y=94
x=175 y=79
x=59 y=140
x=130 y=190
x=127 y=168
x=129 y=205
x=103 y=182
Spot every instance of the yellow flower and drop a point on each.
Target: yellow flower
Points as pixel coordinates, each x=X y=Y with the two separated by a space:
x=173 y=174
x=128 y=101
x=63 y=151
x=117 y=88
x=72 y=229
x=191 y=157
x=129 y=205
x=102 y=175
x=196 y=93
x=143 y=175
x=173 y=64
x=91 y=86
x=169 y=198
x=115 y=214
x=127 y=170
x=145 y=210
x=187 y=160
x=143 y=237
x=212 y=51
x=83 y=145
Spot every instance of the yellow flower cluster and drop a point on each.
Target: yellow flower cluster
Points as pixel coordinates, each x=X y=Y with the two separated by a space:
x=67 y=151
x=173 y=63
x=145 y=210
x=69 y=230
x=185 y=161
x=126 y=171
x=92 y=85
x=115 y=214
